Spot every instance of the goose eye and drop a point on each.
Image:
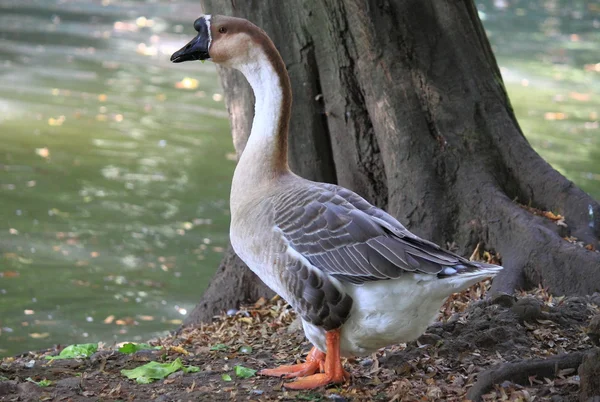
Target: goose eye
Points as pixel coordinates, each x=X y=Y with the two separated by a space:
x=223 y=30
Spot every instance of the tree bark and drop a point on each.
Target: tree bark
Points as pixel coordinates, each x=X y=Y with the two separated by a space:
x=403 y=102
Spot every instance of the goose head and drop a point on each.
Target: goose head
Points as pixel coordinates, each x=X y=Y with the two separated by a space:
x=229 y=41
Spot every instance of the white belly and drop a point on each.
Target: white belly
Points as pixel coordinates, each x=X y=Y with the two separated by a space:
x=386 y=313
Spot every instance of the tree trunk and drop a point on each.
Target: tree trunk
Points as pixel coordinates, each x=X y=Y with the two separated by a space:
x=403 y=102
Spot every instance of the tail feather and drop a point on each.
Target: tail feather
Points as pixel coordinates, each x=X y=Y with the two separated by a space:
x=462 y=276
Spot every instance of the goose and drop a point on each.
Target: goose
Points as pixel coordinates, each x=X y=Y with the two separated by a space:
x=358 y=278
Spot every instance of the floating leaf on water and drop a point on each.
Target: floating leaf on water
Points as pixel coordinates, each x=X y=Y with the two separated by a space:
x=187 y=83
x=175 y=322
x=80 y=351
x=555 y=116
x=36 y=335
x=226 y=377
x=244 y=372
x=129 y=348
x=43 y=152
x=582 y=97
x=56 y=122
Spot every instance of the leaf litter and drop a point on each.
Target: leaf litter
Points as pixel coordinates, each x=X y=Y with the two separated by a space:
x=218 y=361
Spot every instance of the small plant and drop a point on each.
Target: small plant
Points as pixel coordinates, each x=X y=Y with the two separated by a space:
x=41 y=383
x=81 y=351
x=130 y=348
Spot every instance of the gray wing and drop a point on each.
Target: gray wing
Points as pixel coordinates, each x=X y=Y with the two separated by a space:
x=342 y=234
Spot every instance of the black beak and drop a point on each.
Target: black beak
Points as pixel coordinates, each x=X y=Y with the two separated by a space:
x=197 y=49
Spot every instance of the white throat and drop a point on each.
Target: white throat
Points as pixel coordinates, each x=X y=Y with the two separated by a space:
x=207 y=18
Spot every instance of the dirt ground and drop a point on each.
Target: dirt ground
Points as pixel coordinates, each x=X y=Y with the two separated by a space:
x=444 y=364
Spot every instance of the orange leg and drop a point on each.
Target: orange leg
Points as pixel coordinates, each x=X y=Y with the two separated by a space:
x=315 y=361
x=334 y=373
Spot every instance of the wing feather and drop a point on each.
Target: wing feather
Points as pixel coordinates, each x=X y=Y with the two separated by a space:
x=343 y=235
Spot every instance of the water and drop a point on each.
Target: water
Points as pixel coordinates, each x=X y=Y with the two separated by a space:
x=548 y=53
x=115 y=164
x=114 y=172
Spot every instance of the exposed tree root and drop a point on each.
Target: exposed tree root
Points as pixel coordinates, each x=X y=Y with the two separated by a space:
x=589 y=374
x=521 y=372
x=533 y=250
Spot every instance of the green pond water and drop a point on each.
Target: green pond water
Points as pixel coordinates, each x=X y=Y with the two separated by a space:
x=115 y=164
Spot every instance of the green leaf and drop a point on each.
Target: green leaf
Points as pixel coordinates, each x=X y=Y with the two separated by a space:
x=244 y=372
x=144 y=380
x=152 y=371
x=245 y=349
x=41 y=383
x=226 y=377
x=219 y=346
x=191 y=369
x=129 y=348
x=80 y=351
x=44 y=383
